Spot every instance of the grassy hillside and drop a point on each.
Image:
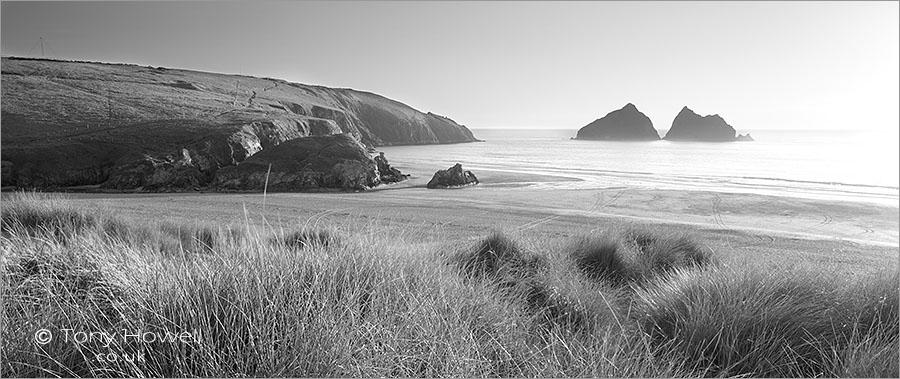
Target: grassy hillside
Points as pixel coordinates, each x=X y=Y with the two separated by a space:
x=78 y=123
x=319 y=300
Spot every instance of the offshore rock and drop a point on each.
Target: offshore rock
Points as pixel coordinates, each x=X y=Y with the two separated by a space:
x=626 y=124
x=689 y=126
x=453 y=177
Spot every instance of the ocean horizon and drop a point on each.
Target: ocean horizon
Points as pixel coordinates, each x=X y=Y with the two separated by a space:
x=847 y=165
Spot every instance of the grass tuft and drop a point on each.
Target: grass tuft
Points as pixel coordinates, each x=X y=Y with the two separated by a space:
x=758 y=321
x=521 y=276
x=655 y=254
x=598 y=258
x=33 y=213
x=307 y=238
x=635 y=256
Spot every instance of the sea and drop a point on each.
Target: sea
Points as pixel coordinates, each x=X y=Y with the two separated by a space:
x=843 y=165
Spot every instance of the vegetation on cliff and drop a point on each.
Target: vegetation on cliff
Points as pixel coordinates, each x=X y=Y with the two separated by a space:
x=153 y=128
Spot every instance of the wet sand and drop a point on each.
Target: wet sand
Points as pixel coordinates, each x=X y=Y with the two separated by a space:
x=854 y=236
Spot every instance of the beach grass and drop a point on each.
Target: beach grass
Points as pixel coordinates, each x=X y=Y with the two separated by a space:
x=125 y=297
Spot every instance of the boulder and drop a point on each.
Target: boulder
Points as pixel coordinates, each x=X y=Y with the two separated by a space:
x=689 y=126
x=626 y=124
x=327 y=162
x=452 y=177
x=388 y=174
x=744 y=137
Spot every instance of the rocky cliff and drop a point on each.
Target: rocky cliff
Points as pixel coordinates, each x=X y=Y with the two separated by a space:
x=154 y=128
x=689 y=126
x=626 y=124
x=335 y=161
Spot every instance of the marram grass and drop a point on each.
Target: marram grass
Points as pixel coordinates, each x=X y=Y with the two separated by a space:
x=85 y=293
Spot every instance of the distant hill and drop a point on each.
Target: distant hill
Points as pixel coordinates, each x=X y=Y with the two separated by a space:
x=78 y=123
x=626 y=124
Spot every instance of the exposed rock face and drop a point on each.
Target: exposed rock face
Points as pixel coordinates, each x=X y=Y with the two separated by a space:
x=388 y=173
x=453 y=177
x=152 y=174
x=336 y=161
x=744 y=137
x=689 y=126
x=156 y=129
x=626 y=124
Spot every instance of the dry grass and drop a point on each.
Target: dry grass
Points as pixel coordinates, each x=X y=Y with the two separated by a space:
x=766 y=321
x=634 y=256
x=319 y=301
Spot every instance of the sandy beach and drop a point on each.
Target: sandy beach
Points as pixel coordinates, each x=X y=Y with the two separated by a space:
x=853 y=236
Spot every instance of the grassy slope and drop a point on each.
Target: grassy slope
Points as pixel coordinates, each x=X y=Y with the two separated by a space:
x=69 y=100
x=315 y=300
x=73 y=123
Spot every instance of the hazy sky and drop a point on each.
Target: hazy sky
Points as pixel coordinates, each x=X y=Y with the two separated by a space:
x=761 y=65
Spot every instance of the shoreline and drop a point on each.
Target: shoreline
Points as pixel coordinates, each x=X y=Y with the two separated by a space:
x=549 y=178
x=552 y=196
x=519 y=207
x=510 y=198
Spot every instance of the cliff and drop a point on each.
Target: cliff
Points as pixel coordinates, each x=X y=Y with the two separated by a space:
x=336 y=161
x=626 y=124
x=153 y=128
x=689 y=126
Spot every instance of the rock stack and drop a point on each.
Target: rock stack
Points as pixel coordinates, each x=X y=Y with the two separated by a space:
x=626 y=124
x=689 y=126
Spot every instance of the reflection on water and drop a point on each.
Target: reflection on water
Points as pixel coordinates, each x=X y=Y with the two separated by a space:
x=844 y=165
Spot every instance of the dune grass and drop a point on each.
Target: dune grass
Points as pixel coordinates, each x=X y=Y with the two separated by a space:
x=634 y=256
x=320 y=301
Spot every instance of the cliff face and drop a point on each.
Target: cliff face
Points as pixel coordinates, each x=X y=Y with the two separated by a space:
x=336 y=161
x=626 y=124
x=689 y=126
x=127 y=126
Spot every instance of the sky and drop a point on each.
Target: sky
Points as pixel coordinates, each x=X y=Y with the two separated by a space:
x=760 y=65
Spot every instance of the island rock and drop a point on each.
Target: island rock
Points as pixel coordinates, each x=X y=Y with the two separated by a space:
x=689 y=126
x=453 y=177
x=626 y=124
x=744 y=137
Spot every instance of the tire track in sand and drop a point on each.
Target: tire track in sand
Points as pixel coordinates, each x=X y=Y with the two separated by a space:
x=720 y=222
x=717 y=214
x=599 y=204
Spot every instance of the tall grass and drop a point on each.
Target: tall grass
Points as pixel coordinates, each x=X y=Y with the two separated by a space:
x=788 y=322
x=320 y=301
x=634 y=256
